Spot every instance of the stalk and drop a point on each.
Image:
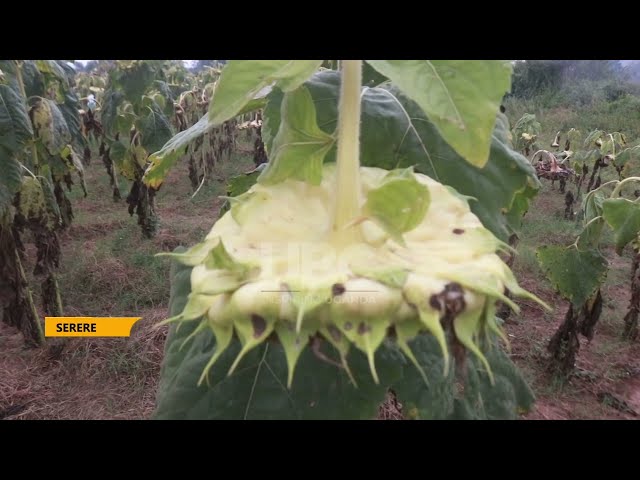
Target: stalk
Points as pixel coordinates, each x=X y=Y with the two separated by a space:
x=32 y=316
x=347 y=207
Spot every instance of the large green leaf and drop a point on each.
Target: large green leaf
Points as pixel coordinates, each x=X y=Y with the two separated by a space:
x=241 y=80
x=15 y=126
x=623 y=216
x=155 y=128
x=395 y=133
x=460 y=97
x=299 y=148
x=575 y=274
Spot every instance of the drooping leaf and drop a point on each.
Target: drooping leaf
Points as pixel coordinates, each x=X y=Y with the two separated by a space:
x=162 y=161
x=589 y=238
x=169 y=154
x=46 y=181
x=575 y=138
x=575 y=274
x=71 y=116
x=460 y=97
x=520 y=206
x=623 y=216
x=33 y=80
x=35 y=205
x=585 y=156
x=53 y=69
x=135 y=79
x=117 y=151
x=109 y=113
x=241 y=80
x=15 y=126
x=592 y=138
x=10 y=179
x=165 y=91
x=299 y=147
x=74 y=164
x=628 y=160
x=49 y=125
x=124 y=123
x=593 y=205
x=154 y=127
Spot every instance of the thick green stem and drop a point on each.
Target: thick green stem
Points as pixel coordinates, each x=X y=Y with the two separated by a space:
x=347 y=206
x=58 y=297
x=32 y=315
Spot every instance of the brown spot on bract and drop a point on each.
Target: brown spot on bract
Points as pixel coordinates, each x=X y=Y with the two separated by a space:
x=335 y=333
x=458 y=231
x=259 y=325
x=434 y=302
x=451 y=298
x=348 y=326
x=338 y=289
x=363 y=328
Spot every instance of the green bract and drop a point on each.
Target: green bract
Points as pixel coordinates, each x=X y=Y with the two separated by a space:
x=273 y=267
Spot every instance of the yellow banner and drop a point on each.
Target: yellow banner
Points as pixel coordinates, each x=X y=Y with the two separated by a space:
x=88 y=326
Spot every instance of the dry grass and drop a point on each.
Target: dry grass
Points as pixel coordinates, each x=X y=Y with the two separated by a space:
x=86 y=378
x=390 y=409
